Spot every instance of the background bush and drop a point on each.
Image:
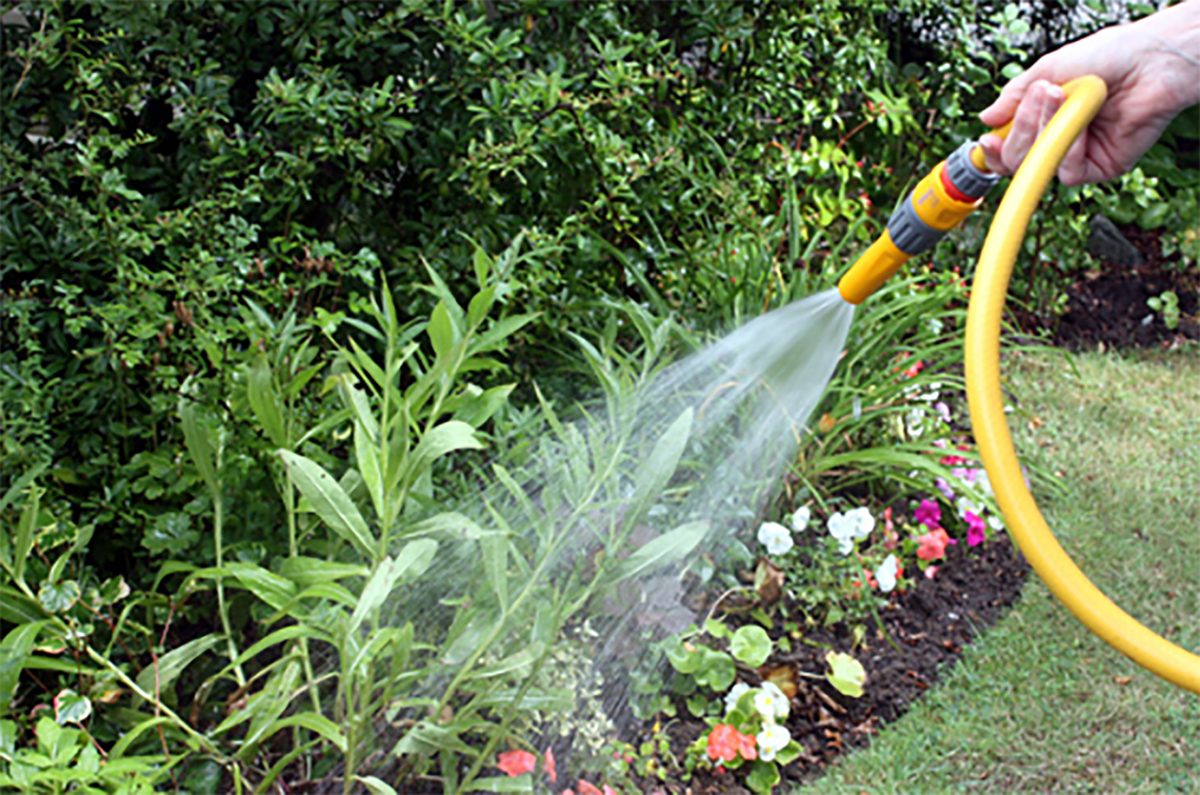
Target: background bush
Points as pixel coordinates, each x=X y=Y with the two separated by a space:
x=187 y=185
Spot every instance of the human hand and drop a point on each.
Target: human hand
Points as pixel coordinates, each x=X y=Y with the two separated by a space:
x=1152 y=69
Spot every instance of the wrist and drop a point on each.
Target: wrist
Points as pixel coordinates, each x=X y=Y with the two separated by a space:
x=1172 y=46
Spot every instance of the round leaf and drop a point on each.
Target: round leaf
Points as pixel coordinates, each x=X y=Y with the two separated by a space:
x=70 y=707
x=57 y=597
x=751 y=644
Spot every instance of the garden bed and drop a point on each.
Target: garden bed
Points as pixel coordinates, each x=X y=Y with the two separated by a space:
x=930 y=623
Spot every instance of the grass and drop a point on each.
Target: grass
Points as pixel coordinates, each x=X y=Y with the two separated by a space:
x=1039 y=704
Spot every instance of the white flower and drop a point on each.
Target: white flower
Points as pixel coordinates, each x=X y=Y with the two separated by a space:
x=771 y=740
x=775 y=537
x=770 y=702
x=983 y=482
x=735 y=692
x=801 y=518
x=996 y=522
x=849 y=526
x=885 y=575
x=966 y=506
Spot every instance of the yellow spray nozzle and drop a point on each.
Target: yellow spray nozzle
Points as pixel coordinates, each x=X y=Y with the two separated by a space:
x=941 y=200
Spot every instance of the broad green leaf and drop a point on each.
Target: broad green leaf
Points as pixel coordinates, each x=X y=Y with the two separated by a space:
x=442 y=439
x=375 y=786
x=751 y=644
x=199 y=445
x=514 y=662
x=412 y=561
x=14 y=652
x=717 y=670
x=266 y=585
x=449 y=524
x=441 y=330
x=264 y=400
x=499 y=784
x=57 y=597
x=429 y=738
x=21 y=483
x=308 y=571
x=366 y=454
x=654 y=474
x=329 y=500
x=70 y=707
x=17 y=608
x=25 y=530
x=494 y=549
x=763 y=778
x=317 y=724
x=846 y=674
x=480 y=305
x=670 y=547
x=172 y=664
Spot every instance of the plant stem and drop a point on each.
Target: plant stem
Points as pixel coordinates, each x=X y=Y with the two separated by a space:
x=218 y=523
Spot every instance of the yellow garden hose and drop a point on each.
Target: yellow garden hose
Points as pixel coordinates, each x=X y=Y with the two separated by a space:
x=1000 y=249
x=940 y=201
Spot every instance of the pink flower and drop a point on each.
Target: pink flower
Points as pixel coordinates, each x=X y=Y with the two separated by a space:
x=976 y=529
x=930 y=572
x=929 y=514
x=549 y=766
x=725 y=743
x=514 y=763
x=932 y=545
x=943 y=486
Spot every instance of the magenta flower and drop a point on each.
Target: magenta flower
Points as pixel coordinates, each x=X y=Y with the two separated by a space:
x=928 y=513
x=976 y=529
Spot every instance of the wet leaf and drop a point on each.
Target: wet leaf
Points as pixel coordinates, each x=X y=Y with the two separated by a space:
x=751 y=644
x=846 y=674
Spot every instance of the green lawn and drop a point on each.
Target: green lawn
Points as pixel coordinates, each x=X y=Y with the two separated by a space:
x=1039 y=704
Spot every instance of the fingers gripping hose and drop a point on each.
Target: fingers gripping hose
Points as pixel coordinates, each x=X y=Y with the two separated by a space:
x=1025 y=521
x=939 y=202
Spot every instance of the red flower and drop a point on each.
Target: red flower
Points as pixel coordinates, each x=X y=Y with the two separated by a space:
x=952 y=460
x=725 y=743
x=933 y=545
x=917 y=367
x=514 y=763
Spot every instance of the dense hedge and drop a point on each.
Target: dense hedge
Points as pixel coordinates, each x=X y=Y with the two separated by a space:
x=174 y=177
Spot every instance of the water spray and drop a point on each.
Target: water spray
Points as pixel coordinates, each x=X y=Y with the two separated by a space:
x=940 y=201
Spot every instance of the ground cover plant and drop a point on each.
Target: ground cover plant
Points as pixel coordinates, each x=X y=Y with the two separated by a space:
x=299 y=310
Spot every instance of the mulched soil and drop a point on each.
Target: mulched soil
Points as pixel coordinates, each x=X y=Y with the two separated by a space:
x=1107 y=309
x=930 y=623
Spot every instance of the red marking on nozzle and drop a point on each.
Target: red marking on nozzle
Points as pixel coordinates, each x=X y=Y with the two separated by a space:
x=952 y=190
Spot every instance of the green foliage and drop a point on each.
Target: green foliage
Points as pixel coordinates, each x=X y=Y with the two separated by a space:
x=251 y=363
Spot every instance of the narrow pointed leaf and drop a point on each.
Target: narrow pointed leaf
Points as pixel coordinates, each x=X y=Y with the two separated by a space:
x=329 y=500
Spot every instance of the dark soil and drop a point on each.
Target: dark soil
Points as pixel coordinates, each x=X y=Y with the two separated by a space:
x=930 y=624
x=1106 y=306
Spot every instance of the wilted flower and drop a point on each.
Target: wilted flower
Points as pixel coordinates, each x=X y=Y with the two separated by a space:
x=775 y=537
x=801 y=518
x=771 y=740
x=887 y=572
x=735 y=692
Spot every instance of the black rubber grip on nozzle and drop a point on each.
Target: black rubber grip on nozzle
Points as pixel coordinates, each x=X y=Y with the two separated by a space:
x=963 y=174
x=910 y=234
